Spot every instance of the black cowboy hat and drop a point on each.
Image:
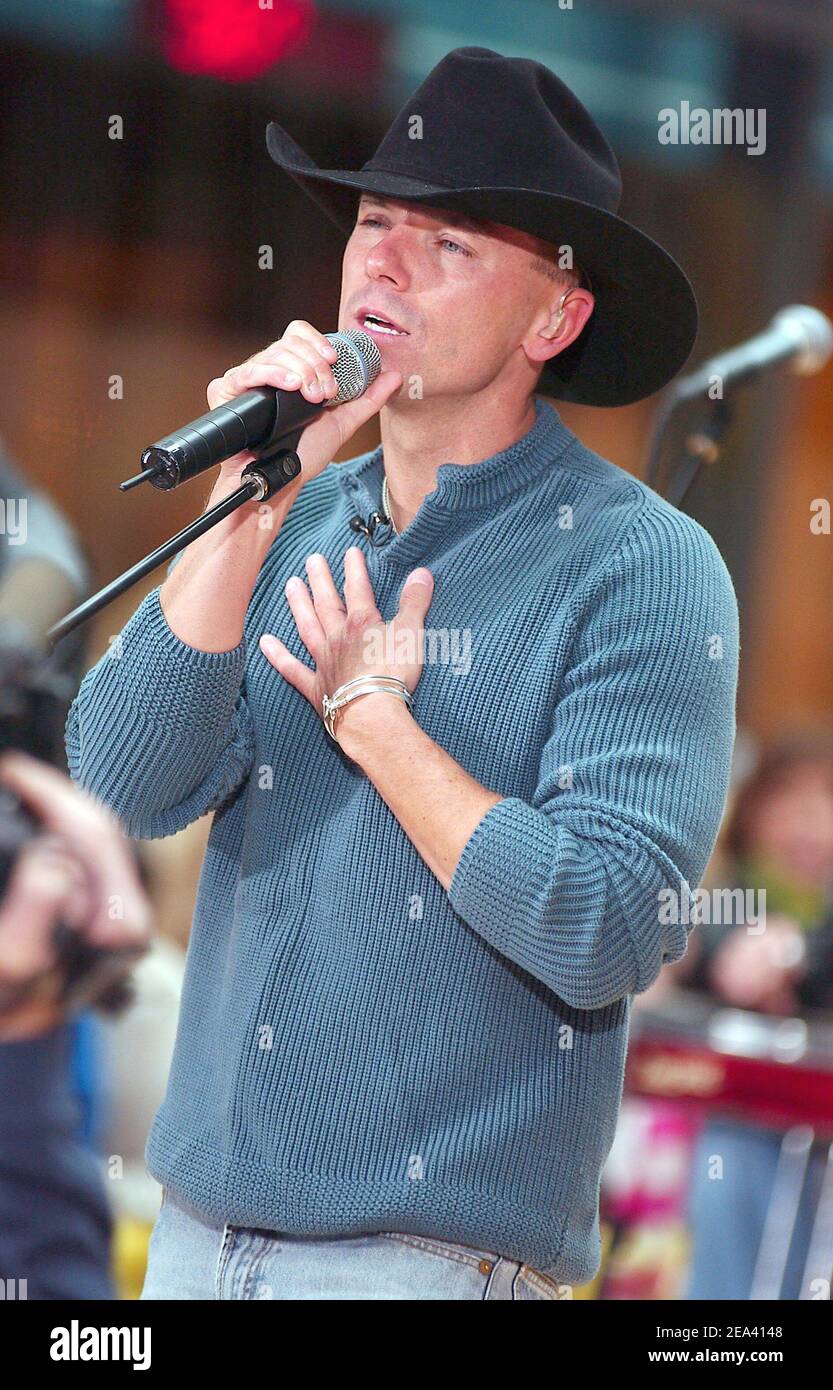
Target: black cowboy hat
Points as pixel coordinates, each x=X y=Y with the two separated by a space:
x=503 y=139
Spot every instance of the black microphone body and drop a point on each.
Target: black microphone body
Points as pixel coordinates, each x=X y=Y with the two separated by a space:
x=260 y=420
x=253 y=421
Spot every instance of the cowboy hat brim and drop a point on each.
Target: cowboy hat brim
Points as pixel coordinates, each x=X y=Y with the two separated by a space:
x=644 y=322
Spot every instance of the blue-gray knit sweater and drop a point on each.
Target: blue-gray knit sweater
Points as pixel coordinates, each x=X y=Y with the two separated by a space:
x=359 y=1049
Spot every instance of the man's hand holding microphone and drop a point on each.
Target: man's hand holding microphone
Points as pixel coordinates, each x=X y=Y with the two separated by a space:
x=228 y=558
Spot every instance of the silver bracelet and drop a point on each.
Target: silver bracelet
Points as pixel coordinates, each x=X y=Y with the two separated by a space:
x=368 y=685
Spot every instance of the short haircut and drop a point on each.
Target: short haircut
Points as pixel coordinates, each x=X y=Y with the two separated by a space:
x=571 y=279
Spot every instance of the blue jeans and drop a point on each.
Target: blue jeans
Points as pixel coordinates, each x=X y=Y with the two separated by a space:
x=191 y=1257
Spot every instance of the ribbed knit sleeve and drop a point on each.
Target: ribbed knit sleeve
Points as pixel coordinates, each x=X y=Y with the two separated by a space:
x=160 y=731
x=633 y=778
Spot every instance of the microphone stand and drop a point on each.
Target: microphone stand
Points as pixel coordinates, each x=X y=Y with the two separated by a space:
x=702 y=443
x=260 y=480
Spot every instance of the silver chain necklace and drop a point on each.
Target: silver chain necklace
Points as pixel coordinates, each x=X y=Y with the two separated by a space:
x=386 y=505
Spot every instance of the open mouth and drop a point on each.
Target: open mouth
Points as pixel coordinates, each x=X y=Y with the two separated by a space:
x=375 y=323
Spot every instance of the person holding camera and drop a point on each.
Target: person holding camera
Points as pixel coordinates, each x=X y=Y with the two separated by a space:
x=78 y=872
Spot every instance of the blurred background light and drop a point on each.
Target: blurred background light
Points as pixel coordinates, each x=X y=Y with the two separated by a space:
x=236 y=40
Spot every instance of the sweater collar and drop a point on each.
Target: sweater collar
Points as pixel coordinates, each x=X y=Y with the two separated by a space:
x=459 y=487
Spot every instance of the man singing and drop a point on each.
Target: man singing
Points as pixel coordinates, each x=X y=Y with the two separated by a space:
x=420 y=925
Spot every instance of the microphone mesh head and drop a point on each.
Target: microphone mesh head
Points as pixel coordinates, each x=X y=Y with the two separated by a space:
x=357 y=365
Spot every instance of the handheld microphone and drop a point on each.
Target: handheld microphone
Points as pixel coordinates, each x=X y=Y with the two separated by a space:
x=259 y=420
x=799 y=336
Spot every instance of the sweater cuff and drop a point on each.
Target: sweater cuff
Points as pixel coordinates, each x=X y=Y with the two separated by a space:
x=164 y=679
x=499 y=865
x=539 y=893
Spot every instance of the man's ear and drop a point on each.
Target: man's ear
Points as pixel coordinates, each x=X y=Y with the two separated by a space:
x=559 y=325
